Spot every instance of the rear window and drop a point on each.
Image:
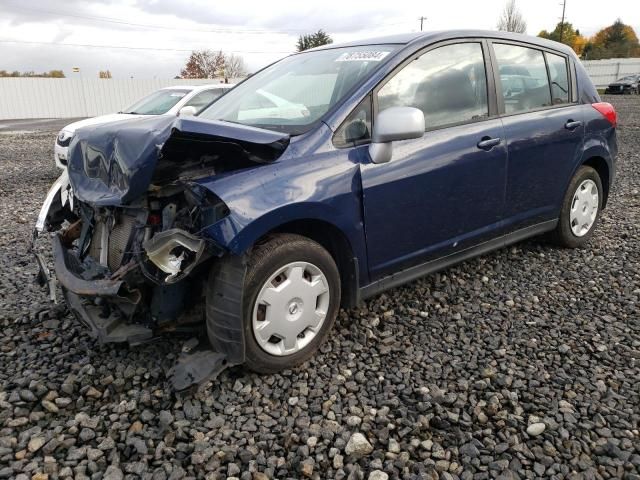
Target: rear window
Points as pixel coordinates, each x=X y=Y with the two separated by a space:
x=523 y=77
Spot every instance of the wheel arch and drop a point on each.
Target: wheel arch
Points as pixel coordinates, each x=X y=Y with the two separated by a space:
x=600 y=165
x=332 y=239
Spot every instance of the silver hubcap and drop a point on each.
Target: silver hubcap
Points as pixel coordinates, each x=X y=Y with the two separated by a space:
x=290 y=308
x=584 y=208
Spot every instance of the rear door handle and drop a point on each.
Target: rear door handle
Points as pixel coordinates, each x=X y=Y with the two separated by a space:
x=487 y=143
x=572 y=125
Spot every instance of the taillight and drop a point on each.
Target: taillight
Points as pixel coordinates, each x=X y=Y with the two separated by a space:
x=607 y=111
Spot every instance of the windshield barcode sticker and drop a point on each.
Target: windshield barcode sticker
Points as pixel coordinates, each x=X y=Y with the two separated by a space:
x=362 y=56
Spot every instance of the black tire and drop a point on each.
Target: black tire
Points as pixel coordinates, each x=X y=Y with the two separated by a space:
x=563 y=234
x=265 y=259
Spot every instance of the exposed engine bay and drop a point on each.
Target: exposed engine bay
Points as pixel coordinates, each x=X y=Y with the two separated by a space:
x=130 y=246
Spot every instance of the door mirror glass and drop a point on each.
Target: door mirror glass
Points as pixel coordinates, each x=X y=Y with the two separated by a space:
x=393 y=124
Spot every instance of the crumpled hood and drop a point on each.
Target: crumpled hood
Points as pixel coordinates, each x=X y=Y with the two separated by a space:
x=113 y=164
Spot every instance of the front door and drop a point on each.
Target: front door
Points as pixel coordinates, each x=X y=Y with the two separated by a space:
x=444 y=191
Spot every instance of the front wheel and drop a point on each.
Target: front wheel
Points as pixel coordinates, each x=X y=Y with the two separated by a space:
x=580 y=209
x=291 y=300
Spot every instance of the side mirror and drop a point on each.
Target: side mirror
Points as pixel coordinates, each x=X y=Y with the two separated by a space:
x=187 y=111
x=392 y=124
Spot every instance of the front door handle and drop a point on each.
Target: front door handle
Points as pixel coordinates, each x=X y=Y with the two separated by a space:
x=487 y=143
x=572 y=125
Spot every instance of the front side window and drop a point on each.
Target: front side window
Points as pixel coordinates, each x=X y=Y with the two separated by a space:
x=158 y=103
x=523 y=77
x=559 y=76
x=448 y=84
x=294 y=93
x=356 y=129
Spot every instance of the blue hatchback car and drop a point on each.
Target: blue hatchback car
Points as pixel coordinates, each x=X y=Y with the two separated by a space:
x=323 y=179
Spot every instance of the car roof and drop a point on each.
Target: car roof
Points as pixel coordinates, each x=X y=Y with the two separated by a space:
x=425 y=37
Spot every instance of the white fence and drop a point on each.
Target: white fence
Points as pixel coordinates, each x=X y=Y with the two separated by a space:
x=603 y=72
x=78 y=97
x=75 y=97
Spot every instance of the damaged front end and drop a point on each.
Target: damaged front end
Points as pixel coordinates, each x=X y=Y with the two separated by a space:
x=129 y=249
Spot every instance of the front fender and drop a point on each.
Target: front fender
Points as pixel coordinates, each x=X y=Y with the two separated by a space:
x=322 y=185
x=237 y=235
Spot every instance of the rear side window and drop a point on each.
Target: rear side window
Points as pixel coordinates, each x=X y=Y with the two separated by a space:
x=448 y=84
x=203 y=99
x=523 y=77
x=559 y=76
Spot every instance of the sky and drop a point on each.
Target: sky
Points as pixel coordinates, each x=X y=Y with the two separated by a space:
x=153 y=38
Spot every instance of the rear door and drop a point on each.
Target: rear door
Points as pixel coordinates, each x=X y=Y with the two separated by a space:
x=543 y=128
x=444 y=191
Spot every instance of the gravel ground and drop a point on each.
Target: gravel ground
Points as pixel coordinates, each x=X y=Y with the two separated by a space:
x=522 y=364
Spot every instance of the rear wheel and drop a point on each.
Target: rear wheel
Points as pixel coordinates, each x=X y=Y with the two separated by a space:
x=580 y=210
x=291 y=299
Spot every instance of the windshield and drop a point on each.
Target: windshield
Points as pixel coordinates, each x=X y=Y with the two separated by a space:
x=292 y=94
x=630 y=78
x=158 y=103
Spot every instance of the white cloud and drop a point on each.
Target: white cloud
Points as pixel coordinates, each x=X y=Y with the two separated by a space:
x=262 y=31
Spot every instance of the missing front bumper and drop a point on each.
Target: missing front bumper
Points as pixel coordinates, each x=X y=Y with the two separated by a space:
x=117 y=304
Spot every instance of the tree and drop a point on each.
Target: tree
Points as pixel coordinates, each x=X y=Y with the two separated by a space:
x=311 y=40
x=579 y=43
x=570 y=36
x=615 y=41
x=233 y=66
x=210 y=64
x=203 y=64
x=511 y=19
x=49 y=74
x=565 y=30
x=104 y=74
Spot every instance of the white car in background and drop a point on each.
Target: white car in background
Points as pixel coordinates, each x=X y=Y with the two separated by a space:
x=263 y=106
x=176 y=100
